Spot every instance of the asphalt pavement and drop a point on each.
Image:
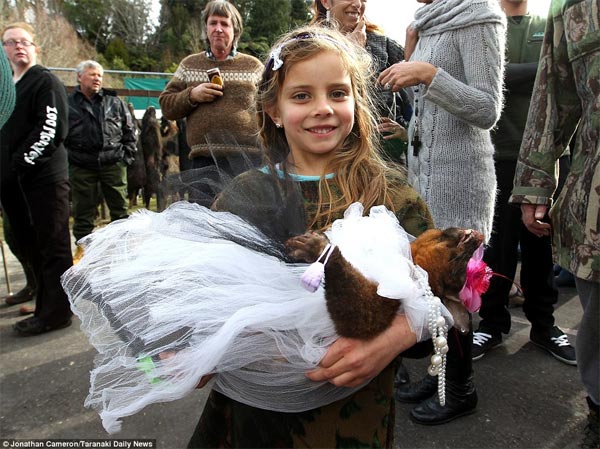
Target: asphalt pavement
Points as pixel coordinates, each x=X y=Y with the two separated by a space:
x=527 y=399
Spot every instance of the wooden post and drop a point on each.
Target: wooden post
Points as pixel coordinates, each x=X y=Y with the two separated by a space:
x=5 y=269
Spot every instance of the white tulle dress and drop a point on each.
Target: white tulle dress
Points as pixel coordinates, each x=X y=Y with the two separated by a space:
x=169 y=297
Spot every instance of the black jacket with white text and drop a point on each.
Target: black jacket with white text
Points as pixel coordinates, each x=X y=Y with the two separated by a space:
x=31 y=141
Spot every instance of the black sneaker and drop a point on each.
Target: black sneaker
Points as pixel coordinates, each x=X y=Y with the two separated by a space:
x=483 y=341
x=556 y=343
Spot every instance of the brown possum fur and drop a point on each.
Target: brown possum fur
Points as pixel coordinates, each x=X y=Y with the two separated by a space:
x=352 y=300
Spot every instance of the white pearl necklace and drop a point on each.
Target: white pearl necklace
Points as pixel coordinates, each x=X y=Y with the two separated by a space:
x=438 y=330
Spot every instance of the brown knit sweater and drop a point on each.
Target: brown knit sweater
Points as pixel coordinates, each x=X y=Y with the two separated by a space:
x=228 y=124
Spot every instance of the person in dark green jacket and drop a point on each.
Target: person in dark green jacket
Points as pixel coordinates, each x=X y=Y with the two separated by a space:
x=524 y=41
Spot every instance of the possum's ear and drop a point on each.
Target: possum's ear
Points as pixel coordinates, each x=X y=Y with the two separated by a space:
x=458 y=312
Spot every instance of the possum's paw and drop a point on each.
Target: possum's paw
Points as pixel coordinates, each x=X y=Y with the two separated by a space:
x=306 y=247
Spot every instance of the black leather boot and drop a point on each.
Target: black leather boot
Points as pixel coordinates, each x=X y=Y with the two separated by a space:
x=402 y=377
x=417 y=391
x=461 y=400
x=461 y=397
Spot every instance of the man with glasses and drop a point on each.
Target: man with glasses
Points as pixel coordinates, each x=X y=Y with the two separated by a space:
x=34 y=180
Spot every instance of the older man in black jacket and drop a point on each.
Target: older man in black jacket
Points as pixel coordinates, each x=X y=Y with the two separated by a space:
x=101 y=143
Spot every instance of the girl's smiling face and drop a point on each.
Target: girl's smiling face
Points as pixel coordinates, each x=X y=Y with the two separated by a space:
x=315 y=107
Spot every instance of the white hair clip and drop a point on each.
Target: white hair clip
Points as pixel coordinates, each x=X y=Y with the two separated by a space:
x=276 y=57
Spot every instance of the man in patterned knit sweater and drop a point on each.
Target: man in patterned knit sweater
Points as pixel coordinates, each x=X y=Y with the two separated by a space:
x=221 y=124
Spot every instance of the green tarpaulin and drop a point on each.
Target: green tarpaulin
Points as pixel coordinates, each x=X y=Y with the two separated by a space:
x=145 y=84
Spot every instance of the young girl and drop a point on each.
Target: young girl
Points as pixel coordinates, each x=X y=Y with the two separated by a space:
x=169 y=298
x=319 y=135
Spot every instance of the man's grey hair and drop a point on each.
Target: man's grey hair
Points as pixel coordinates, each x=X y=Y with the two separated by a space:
x=87 y=64
x=224 y=9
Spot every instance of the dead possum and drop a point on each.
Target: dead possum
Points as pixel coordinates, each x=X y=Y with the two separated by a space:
x=443 y=254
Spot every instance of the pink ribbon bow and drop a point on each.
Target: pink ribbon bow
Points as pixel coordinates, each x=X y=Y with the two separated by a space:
x=477 y=281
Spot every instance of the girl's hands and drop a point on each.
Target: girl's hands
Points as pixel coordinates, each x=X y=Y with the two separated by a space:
x=351 y=363
x=205 y=379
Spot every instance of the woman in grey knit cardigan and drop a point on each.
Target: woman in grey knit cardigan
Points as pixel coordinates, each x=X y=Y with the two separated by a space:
x=456 y=50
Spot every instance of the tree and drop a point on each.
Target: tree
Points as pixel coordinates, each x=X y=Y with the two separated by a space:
x=269 y=19
x=116 y=49
x=179 y=29
x=244 y=7
x=59 y=43
x=300 y=14
x=116 y=28
x=131 y=22
x=91 y=19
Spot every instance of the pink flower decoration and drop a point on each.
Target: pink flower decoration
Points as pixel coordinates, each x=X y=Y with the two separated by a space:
x=477 y=281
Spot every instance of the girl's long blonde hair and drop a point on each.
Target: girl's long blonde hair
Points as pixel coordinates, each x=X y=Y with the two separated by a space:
x=360 y=172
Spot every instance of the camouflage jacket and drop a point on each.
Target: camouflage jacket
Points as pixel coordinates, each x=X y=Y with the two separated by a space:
x=565 y=102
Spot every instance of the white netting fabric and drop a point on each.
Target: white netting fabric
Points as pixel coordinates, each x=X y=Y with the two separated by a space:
x=168 y=297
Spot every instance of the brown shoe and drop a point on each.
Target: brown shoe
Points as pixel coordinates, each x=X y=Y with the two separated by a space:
x=23 y=295
x=26 y=310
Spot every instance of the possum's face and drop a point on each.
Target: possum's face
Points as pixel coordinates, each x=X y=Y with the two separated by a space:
x=444 y=254
x=168 y=128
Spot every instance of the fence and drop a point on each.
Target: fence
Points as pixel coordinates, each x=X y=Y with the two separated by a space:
x=139 y=88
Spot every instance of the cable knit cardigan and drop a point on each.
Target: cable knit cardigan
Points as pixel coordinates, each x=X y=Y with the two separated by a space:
x=454 y=168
